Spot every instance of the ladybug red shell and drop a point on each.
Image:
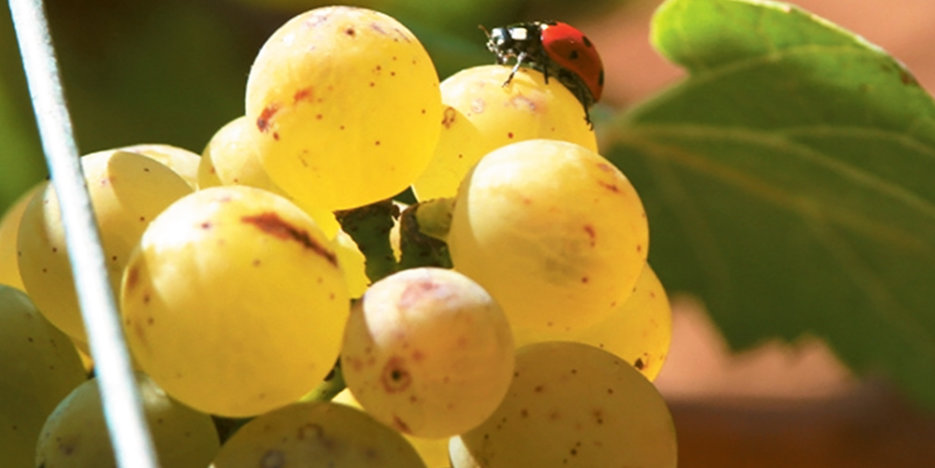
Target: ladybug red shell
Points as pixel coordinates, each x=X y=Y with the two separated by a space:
x=556 y=49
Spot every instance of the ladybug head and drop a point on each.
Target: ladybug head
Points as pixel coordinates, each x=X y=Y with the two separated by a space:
x=498 y=39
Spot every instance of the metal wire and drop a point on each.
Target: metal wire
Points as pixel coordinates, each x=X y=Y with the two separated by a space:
x=120 y=395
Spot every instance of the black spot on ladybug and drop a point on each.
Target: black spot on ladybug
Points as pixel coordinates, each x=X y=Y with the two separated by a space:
x=600 y=78
x=587 y=42
x=573 y=55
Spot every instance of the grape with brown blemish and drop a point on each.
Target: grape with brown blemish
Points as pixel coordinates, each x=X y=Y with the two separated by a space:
x=339 y=124
x=572 y=405
x=235 y=301
x=428 y=352
x=535 y=224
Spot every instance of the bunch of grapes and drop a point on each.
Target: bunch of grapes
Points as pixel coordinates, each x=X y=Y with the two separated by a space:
x=507 y=318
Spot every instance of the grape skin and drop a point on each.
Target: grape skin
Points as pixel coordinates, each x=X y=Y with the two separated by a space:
x=231 y=157
x=553 y=231
x=39 y=367
x=75 y=435
x=433 y=451
x=346 y=106
x=127 y=191
x=317 y=435
x=234 y=302
x=639 y=331
x=427 y=352
x=572 y=405
x=482 y=114
x=9 y=231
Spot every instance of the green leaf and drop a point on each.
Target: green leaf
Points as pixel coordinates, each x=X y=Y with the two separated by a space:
x=789 y=182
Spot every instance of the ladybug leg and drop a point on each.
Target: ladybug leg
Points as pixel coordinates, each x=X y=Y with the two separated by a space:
x=519 y=61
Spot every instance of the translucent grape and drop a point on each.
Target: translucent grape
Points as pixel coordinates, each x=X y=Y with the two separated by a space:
x=553 y=231
x=182 y=161
x=9 y=232
x=353 y=263
x=481 y=114
x=347 y=107
x=639 y=331
x=572 y=405
x=234 y=303
x=231 y=158
x=75 y=434
x=316 y=435
x=38 y=366
x=127 y=191
x=428 y=352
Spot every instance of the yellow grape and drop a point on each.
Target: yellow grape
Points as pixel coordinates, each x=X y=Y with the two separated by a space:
x=182 y=161
x=9 y=231
x=481 y=114
x=638 y=331
x=553 y=231
x=353 y=263
x=127 y=191
x=38 y=366
x=572 y=405
x=347 y=107
x=316 y=435
x=428 y=352
x=433 y=451
x=231 y=158
x=234 y=302
x=75 y=434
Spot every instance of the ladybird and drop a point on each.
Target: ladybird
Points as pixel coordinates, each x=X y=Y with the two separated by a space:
x=555 y=49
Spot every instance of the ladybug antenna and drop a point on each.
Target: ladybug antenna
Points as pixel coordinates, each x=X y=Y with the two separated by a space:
x=482 y=28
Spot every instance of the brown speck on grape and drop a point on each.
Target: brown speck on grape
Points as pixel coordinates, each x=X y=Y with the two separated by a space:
x=400 y=424
x=372 y=84
x=270 y=223
x=538 y=388
x=350 y=32
x=256 y=262
x=376 y=143
x=610 y=186
x=146 y=298
x=133 y=276
x=584 y=279
x=639 y=364
x=304 y=94
x=592 y=235
x=509 y=135
x=448 y=117
x=142 y=219
x=206 y=225
x=263 y=121
x=318 y=117
x=395 y=377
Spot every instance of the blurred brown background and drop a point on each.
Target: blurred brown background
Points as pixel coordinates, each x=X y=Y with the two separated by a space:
x=781 y=404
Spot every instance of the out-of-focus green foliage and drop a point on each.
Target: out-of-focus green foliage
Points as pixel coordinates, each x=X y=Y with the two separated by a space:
x=173 y=71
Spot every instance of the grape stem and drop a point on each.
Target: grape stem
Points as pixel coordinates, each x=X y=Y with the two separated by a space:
x=370 y=227
x=422 y=233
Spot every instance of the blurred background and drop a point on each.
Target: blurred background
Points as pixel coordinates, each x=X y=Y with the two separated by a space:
x=173 y=71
